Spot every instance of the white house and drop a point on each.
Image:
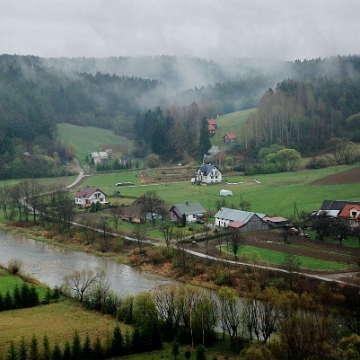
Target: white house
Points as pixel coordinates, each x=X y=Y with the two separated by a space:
x=89 y=195
x=240 y=220
x=208 y=174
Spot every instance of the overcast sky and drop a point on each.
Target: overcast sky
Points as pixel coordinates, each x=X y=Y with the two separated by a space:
x=210 y=29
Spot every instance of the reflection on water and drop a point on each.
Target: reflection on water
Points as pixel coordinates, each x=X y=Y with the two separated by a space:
x=49 y=264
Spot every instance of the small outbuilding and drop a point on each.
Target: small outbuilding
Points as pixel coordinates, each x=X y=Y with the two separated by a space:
x=224 y=192
x=193 y=211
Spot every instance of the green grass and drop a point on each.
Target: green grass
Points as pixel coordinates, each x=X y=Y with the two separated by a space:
x=57 y=320
x=231 y=122
x=275 y=195
x=8 y=283
x=89 y=139
x=272 y=257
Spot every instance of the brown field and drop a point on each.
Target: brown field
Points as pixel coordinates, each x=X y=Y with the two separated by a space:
x=58 y=321
x=351 y=176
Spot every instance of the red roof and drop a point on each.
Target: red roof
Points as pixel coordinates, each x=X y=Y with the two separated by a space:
x=211 y=122
x=230 y=135
x=276 y=219
x=345 y=212
x=87 y=192
x=236 y=224
x=211 y=127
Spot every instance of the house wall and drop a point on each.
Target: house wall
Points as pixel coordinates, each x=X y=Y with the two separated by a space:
x=222 y=222
x=254 y=224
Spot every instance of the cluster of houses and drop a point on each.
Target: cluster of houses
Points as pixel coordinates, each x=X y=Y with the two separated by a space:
x=104 y=156
x=227 y=138
x=194 y=212
x=341 y=209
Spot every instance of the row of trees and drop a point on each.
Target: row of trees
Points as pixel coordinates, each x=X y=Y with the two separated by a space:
x=77 y=349
x=29 y=200
x=306 y=115
x=174 y=134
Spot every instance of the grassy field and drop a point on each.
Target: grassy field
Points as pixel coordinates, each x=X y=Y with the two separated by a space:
x=277 y=258
x=231 y=122
x=275 y=195
x=57 y=320
x=89 y=139
x=8 y=282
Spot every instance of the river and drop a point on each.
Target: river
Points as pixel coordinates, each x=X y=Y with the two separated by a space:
x=49 y=264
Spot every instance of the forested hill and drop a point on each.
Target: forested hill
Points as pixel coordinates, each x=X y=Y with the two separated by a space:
x=33 y=98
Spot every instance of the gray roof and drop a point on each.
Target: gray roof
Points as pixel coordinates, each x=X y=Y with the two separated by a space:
x=237 y=215
x=190 y=208
x=336 y=204
x=206 y=168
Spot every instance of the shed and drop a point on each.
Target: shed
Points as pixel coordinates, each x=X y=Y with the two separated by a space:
x=224 y=192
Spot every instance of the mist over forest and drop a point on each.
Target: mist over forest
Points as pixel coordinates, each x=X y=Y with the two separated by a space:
x=300 y=104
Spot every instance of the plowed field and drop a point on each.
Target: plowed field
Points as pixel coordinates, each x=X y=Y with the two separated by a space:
x=345 y=177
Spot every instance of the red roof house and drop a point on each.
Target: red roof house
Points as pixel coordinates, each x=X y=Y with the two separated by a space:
x=212 y=122
x=229 y=138
x=351 y=212
x=88 y=195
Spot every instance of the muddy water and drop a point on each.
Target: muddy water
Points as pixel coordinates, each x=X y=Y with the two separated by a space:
x=49 y=264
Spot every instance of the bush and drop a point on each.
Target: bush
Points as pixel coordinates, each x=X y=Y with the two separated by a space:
x=317 y=163
x=14 y=266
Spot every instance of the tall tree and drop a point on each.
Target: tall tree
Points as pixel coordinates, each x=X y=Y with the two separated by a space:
x=204 y=139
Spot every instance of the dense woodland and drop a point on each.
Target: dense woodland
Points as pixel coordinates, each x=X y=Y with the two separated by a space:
x=301 y=105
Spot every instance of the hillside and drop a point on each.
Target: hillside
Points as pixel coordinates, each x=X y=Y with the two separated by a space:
x=89 y=139
x=231 y=122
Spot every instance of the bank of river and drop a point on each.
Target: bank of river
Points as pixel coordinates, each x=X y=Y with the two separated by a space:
x=49 y=264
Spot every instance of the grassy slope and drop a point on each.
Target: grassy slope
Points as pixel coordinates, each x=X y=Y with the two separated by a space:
x=230 y=123
x=89 y=139
x=57 y=320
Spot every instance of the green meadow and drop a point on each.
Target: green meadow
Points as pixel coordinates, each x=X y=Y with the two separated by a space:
x=231 y=122
x=89 y=139
x=276 y=194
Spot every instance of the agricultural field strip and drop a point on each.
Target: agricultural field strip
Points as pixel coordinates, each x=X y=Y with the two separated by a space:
x=322 y=251
x=268 y=257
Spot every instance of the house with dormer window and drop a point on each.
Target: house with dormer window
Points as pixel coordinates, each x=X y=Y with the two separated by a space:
x=351 y=212
x=207 y=174
x=89 y=195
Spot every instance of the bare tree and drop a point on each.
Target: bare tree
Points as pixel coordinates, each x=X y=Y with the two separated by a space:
x=292 y=265
x=152 y=204
x=79 y=282
x=230 y=312
x=168 y=233
x=115 y=212
x=140 y=235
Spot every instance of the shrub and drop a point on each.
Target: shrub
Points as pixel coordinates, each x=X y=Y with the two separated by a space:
x=14 y=266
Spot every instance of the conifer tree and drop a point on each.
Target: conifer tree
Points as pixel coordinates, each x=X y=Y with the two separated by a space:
x=56 y=353
x=46 y=354
x=86 y=349
x=2 y=305
x=23 y=352
x=67 y=351
x=204 y=139
x=98 y=350
x=17 y=303
x=117 y=344
x=11 y=355
x=25 y=295
x=8 y=301
x=76 y=347
x=33 y=296
x=34 y=350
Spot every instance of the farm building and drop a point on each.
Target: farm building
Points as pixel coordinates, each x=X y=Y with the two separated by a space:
x=229 y=138
x=193 y=211
x=241 y=220
x=224 y=192
x=89 y=195
x=348 y=210
x=125 y=160
x=207 y=174
x=276 y=222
